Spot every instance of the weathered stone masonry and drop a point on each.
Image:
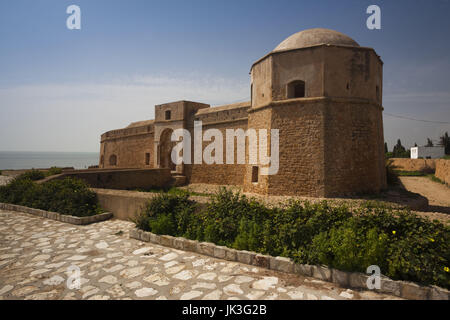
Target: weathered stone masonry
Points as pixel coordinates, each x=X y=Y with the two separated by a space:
x=319 y=88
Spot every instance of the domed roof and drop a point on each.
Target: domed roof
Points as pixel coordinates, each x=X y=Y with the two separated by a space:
x=312 y=37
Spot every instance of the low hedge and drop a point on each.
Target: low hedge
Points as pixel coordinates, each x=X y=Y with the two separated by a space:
x=35 y=175
x=32 y=175
x=404 y=245
x=69 y=196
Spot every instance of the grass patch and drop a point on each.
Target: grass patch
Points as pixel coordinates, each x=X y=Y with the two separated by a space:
x=433 y=178
x=404 y=245
x=409 y=173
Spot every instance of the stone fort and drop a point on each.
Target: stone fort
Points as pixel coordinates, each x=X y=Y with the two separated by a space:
x=318 y=87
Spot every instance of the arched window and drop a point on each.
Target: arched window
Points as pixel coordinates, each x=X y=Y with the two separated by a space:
x=296 y=89
x=113 y=160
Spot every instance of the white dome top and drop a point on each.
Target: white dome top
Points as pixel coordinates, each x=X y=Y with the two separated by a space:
x=312 y=37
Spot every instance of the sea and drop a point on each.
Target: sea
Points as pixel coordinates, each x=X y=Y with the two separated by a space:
x=13 y=160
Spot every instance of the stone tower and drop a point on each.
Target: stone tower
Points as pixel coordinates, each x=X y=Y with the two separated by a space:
x=323 y=92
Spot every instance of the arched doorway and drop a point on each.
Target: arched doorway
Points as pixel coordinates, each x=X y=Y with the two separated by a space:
x=165 y=150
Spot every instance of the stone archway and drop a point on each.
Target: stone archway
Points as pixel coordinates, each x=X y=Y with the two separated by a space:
x=165 y=150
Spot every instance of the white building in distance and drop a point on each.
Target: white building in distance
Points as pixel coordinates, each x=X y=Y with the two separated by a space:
x=427 y=152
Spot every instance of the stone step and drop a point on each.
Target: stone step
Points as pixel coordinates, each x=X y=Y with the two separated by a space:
x=178 y=180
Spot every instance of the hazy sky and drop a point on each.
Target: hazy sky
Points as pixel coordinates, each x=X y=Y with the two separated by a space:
x=60 y=89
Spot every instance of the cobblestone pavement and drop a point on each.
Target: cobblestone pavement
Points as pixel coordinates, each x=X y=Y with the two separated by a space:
x=5 y=180
x=35 y=254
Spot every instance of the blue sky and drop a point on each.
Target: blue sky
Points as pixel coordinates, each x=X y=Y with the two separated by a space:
x=60 y=89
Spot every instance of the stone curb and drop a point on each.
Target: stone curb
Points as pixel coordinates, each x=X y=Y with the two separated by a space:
x=57 y=216
x=403 y=289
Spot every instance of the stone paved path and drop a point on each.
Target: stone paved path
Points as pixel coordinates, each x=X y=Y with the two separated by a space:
x=5 y=180
x=35 y=254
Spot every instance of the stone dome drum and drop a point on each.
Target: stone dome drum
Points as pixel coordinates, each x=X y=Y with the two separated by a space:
x=313 y=37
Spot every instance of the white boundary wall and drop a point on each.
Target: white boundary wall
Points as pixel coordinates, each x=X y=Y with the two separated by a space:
x=427 y=152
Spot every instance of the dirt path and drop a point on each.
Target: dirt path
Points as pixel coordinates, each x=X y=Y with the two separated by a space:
x=438 y=195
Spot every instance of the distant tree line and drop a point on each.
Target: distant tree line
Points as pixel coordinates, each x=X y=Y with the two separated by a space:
x=399 y=151
x=444 y=141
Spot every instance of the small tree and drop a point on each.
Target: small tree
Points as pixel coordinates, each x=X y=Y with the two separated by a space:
x=429 y=143
x=399 y=151
x=386 y=148
x=444 y=141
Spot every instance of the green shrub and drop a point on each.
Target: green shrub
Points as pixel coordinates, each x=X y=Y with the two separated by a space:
x=162 y=224
x=223 y=215
x=404 y=245
x=17 y=191
x=33 y=175
x=168 y=214
x=419 y=251
x=69 y=196
x=348 y=248
x=52 y=171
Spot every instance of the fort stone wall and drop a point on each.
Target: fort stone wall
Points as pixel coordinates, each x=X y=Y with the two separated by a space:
x=318 y=88
x=231 y=117
x=128 y=148
x=354 y=147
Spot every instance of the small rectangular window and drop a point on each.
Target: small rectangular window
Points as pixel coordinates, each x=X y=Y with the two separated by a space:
x=255 y=174
x=167 y=115
x=296 y=89
x=147 y=159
